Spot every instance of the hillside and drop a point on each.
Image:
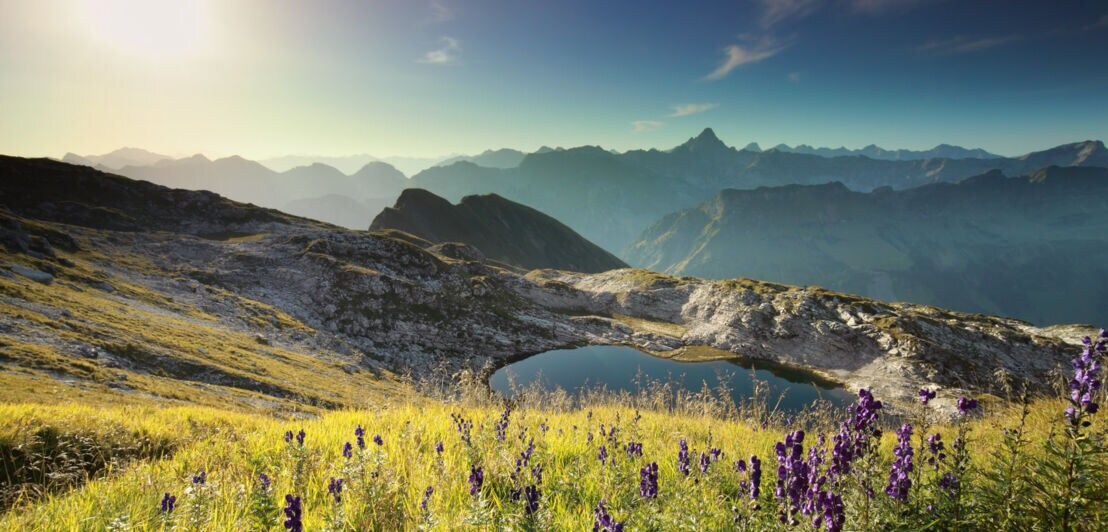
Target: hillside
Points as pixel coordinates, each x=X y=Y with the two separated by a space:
x=1031 y=247
x=502 y=230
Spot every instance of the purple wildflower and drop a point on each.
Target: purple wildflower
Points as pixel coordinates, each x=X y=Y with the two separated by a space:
x=335 y=489
x=200 y=478
x=476 y=478
x=683 y=458
x=264 y=479
x=377 y=439
x=925 y=395
x=293 y=514
x=755 y=477
x=1085 y=382
x=935 y=447
x=633 y=449
x=463 y=425
x=602 y=455
x=347 y=450
x=502 y=425
x=359 y=432
x=948 y=483
x=966 y=404
x=531 y=493
x=426 y=497
x=288 y=436
x=537 y=473
x=648 y=483
x=602 y=522
x=705 y=461
x=834 y=511
x=792 y=475
x=438 y=448
x=856 y=435
x=168 y=502
x=300 y=437
x=899 y=481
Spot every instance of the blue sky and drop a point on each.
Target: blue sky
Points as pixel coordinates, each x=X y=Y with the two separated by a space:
x=423 y=78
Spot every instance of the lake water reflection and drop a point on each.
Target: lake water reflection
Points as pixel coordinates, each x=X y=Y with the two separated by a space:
x=616 y=367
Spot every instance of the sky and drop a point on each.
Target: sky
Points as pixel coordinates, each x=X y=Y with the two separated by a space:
x=265 y=78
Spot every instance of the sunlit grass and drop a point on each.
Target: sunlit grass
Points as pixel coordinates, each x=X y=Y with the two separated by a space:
x=384 y=485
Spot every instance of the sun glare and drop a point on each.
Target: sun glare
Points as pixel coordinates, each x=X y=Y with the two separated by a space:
x=153 y=28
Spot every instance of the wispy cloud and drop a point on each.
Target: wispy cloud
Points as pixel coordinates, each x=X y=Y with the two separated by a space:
x=735 y=56
x=686 y=109
x=793 y=77
x=1102 y=23
x=441 y=12
x=446 y=54
x=964 y=45
x=777 y=11
x=645 y=126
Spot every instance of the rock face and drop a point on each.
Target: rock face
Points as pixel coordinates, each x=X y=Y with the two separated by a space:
x=391 y=301
x=503 y=230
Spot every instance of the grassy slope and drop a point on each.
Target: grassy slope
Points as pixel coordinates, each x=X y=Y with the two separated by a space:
x=233 y=448
x=166 y=349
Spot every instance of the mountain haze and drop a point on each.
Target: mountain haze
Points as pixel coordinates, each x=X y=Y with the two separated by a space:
x=317 y=190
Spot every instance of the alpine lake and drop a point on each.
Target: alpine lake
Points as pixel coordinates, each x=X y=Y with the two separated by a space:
x=621 y=368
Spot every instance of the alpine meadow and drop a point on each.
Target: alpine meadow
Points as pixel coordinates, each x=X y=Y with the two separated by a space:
x=753 y=265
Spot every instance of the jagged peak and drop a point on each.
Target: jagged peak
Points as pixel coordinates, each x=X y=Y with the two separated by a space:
x=706 y=140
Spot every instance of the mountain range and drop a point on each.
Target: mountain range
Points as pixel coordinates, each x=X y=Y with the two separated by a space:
x=117 y=159
x=942 y=151
x=610 y=197
x=1031 y=247
x=316 y=191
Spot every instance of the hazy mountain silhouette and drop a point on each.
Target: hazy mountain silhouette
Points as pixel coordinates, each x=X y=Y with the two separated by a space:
x=117 y=159
x=346 y=164
x=942 y=151
x=1029 y=247
x=502 y=230
x=317 y=190
x=502 y=158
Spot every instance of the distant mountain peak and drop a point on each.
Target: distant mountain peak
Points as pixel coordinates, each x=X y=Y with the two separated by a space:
x=706 y=141
x=753 y=146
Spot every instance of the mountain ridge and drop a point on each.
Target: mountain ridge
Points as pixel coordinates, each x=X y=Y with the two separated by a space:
x=502 y=230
